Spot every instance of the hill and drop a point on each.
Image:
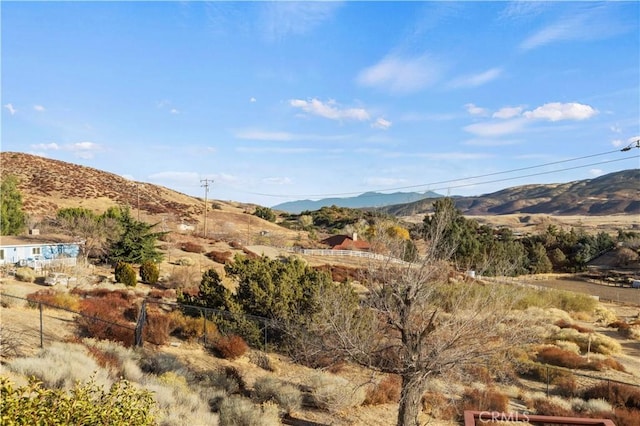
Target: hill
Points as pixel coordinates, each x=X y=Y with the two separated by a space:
x=368 y=199
x=614 y=193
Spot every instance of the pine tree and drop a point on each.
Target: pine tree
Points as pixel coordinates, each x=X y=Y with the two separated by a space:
x=12 y=217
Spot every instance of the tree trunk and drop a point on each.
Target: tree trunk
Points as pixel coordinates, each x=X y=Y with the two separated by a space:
x=410 y=399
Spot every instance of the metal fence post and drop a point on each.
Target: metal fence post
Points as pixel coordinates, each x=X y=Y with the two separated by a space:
x=41 y=327
x=547 y=381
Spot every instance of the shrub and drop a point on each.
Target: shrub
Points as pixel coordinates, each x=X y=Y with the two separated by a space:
x=437 y=406
x=86 y=403
x=334 y=393
x=385 y=391
x=230 y=347
x=618 y=395
x=262 y=360
x=159 y=363
x=239 y=411
x=149 y=272
x=191 y=247
x=560 y=357
x=624 y=417
x=228 y=379
x=288 y=397
x=566 y=386
x=103 y=318
x=54 y=298
x=222 y=257
x=488 y=399
x=60 y=365
x=595 y=342
x=125 y=274
x=549 y=407
x=191 y=328
x=157 y=328
x=565 y=324
x=25 y=274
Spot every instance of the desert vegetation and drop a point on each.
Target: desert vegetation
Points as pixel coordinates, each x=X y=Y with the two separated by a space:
x=410 y=334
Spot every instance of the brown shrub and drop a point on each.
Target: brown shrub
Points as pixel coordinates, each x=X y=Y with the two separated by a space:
x=566 y=385
x=103 y=318
x=236 y=245
x=191 y=247
x=222 y=257
x=230 y=347
x=385 y=391
x=103 y=359
x=560 y=357
x=612 y=364
x=566 y=324
x=545 y=407
x=157 y=328
x=162 y=294
x=488 y=399
x=623 y=417
x=616 y=394
x=56 y=299
x=437 y=406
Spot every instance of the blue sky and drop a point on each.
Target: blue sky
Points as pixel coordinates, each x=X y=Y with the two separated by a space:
x=278 y=101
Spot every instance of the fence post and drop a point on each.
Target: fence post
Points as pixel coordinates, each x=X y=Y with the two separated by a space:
x=204 y=328
x=142 y=318
x=266 y=324
x=547 y=381
x=41 y=327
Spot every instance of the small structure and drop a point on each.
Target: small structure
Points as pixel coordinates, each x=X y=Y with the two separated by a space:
x=345 y=242
x=37 y=252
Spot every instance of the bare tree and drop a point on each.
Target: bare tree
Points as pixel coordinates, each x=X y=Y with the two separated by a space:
x=422 y=320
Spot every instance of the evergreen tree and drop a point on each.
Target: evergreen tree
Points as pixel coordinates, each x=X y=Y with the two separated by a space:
x=136 y=242
x=12 y=217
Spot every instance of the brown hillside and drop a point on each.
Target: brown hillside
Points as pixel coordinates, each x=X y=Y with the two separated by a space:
x=47 y=185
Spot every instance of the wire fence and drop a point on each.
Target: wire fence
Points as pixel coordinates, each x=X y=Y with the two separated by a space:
x=259 y=332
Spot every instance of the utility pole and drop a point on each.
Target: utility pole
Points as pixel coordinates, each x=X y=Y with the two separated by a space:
x=138 y=190
x=205 y=184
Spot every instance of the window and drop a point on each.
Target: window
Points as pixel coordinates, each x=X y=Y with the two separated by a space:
x=35 y=250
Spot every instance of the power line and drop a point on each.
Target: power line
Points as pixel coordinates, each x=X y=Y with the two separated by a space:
x=430 y=185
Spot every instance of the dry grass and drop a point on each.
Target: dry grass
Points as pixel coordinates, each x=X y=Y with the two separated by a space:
x=334 y=393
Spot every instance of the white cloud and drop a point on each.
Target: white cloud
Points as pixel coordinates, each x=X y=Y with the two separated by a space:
x=381 y=123
x=330 y=110
x=522 y=9
x=84 y=150
x=401 y=75
x=277 y=181
x=252 y=99
x=585 y=23
x=284 y=18
x=616 y=129
x=46 y=146
x=10 y=108
x=491 y=129
x=476 y=80
x=507 y=112
x=39 y=108
x=596 y=172
x=556 y=111
x=174 y=111
x=617 y=143
x=475 y=110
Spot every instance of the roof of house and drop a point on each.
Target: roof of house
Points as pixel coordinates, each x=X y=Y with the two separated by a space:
x=24 y=240
x=345 y=242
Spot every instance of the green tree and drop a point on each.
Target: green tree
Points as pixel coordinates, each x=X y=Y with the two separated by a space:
x=125 y=274
x=12 y=218
x=136 y=242
x=265 y=213
x=149 y=272
x=539 y=261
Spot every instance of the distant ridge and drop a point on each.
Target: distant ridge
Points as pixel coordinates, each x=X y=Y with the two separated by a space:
x=368 y=199
x=614 y=193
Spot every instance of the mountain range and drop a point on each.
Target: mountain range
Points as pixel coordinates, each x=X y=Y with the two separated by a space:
x=48 y=184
